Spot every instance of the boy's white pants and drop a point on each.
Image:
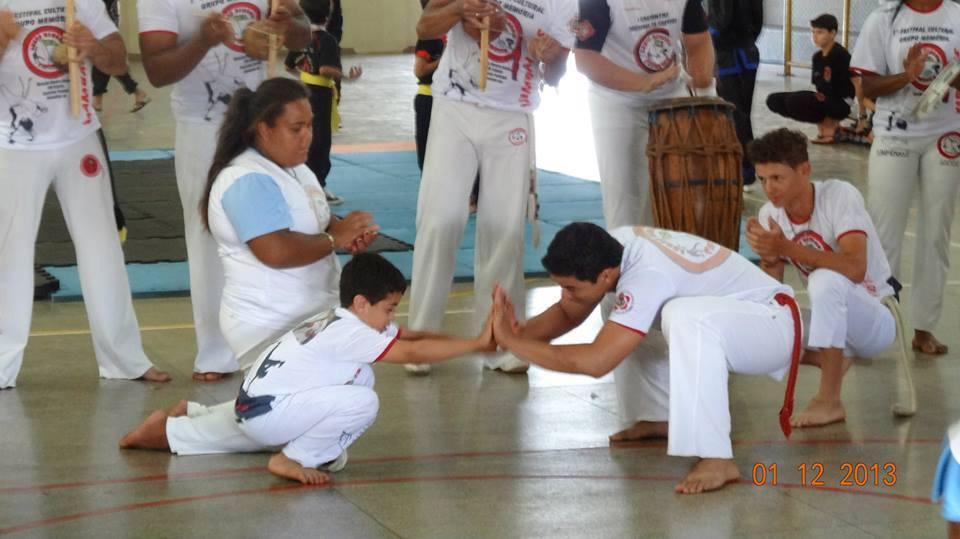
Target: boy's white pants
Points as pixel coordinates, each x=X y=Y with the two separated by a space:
x=316 y=425
x=620 y=132
x=844 y=315
x=462 y=138
x=898 y=167
x=80 y=178
x=708 y=338
x=195 y=145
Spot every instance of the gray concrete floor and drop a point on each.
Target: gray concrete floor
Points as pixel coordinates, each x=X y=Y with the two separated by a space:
x=463 y=452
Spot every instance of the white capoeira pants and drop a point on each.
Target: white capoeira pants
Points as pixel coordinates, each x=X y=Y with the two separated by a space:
x=194 y=148
x=899 y=166
x=315 y=426
x=708 y=338
x=81 y=181
x=620 y=133
x=844 y=315
x=462 y=138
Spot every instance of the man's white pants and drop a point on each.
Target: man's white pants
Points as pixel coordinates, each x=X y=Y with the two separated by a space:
x=83 y=189
x=194 y=148
x=708 y=338
x=899 y=166
x=844 y=315
x=462 y=138
x=316 y=425
x=620 y=133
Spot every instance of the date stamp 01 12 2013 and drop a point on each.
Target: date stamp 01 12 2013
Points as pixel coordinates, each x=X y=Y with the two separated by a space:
x=816 y=474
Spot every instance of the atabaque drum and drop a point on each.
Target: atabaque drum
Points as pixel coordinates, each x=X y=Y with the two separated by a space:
x=696 y=183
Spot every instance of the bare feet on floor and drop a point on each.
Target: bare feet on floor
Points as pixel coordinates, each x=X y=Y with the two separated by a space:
x=284 y=467
x=154 y=375
x=641 y=430
x=925 y=343
x=177 y=410
x=818 y=413
x=210 y=376
x=707 y=475
x=151 y=434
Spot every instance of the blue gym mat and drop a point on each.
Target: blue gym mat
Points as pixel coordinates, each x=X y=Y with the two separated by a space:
x=386 y=184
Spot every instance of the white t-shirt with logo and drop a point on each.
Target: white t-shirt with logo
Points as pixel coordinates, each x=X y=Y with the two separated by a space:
x=253 y=197
x=332 y=348
x=642 y=36
x=881 y=48
x=838 y=210
x=513 y=76
x=35 y=92
x=203 y=95
x=659 y=265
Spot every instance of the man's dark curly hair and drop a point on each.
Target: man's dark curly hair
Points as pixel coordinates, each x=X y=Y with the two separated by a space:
x=582 y=251
x=779 y=146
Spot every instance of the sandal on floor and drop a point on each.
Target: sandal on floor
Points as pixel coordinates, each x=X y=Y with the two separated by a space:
x=140 y=104
x=823 y=140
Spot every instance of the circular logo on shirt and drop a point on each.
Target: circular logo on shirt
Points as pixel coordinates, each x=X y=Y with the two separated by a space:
x=810 y=240
x=518 y=136
x=240 y=15
x=655 y=51
x=624 y=302
x=90 y=166
x=933 y=62
x=949 y=145
x=507 y=44
x=38 y=49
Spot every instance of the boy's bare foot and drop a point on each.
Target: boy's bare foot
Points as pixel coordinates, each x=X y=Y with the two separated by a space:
x=151 y=434
x=179 y=409
x=284 y=467
x=210 y=376
x=641 y=430
x=925 y=343
x=155 y=375
x=819 y=413
x=707 y=475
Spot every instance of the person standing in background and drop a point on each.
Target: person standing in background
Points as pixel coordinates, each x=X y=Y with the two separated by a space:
x=101 y=79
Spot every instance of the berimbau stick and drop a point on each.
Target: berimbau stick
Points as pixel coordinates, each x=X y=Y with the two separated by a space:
x=484 y=52
x=274 y=44
x=73 y=66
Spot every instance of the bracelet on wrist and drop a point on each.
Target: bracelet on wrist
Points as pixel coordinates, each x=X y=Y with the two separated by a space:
x=333 y=242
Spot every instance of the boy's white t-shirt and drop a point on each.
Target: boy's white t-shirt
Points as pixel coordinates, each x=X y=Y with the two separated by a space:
x=268 y=199
x=838 y=210
x=203 y=95
x=881 y=47
x=513 y=76
x=659 y=265
x=35 y=92
x=332 y=348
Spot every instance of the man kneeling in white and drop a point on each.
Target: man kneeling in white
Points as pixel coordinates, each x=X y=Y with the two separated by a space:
x=312 y=391
x=824 y=230
x=720 y=313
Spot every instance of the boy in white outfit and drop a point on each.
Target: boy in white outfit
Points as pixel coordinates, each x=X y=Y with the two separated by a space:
x=312 y=391
x=823 y=229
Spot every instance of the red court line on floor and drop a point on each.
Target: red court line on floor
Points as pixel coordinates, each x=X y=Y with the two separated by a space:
x=403 y=480
x=444 y=456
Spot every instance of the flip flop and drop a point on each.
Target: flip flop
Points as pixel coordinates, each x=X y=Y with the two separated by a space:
x=823 y=140
x=140 y=104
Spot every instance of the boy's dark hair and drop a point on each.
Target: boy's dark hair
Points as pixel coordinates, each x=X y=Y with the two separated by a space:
x=371 y=276
x=779 y=146
x=318 y=11
x=825 y=21
x=582 y=251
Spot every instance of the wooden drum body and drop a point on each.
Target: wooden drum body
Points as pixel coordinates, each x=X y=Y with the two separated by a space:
x=696 y=182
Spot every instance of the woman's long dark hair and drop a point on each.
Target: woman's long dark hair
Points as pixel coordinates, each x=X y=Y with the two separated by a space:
x=239 y=130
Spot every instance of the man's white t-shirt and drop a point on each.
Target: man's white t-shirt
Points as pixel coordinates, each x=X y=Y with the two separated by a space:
x=332 y=348
x=838 y=210
x=253 y=197
x=35 y=92
x=513 y=76
x=881 y=48
x=642 y=36
x=659 y=265
x=203 y=95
